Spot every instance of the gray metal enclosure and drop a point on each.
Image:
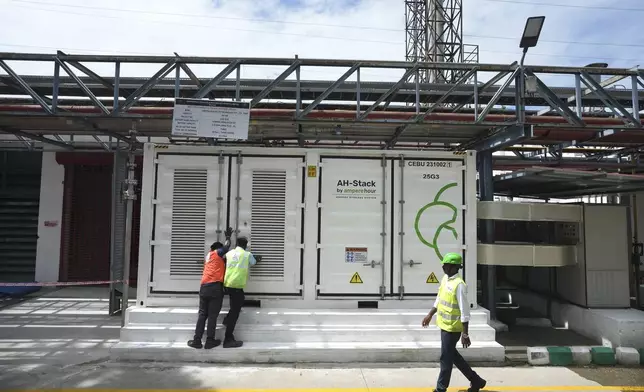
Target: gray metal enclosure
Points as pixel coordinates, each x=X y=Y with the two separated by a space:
x=19 y=205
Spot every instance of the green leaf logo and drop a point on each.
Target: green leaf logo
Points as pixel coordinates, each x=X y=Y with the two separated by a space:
x=444 y=226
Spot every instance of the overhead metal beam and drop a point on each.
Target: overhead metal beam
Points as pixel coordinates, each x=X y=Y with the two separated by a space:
x=386 y=95
x=91 y=74
x=102 y=143
x=192 y=75
x=83 y=87
x=495 y=97
x=26 y=87
x=257 y=99
x=141 y=91
x=560 y=106
x=419 y=118
x=495 y=79
x=608 y=100
x=505 y=137
x=207 y=88
x=449 y=92
x=621 y=188
x=25 y=135
x=573 y=98
x=328 y=91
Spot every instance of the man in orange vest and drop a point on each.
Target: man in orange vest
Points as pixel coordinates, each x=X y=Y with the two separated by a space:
x=211 y=293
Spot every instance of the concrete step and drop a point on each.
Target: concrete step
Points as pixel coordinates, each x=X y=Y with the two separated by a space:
x=316 y=317
x=303 y=333
x=278 y=352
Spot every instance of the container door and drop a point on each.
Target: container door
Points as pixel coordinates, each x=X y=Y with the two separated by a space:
x=354 y=237
x=429 y=200
x=269 y=213
x=189 y=217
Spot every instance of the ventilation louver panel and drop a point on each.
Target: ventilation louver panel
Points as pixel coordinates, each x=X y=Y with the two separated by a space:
x=188 y=222
x=268 y=223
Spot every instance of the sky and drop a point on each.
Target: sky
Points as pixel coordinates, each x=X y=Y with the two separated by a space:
x=578 y=33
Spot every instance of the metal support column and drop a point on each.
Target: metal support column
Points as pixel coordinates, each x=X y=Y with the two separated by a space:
x=486 y=186
x=119 y=173
x=129 y=196
x=383 y=234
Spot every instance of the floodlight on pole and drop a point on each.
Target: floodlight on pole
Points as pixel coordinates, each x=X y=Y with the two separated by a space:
x=531 y=32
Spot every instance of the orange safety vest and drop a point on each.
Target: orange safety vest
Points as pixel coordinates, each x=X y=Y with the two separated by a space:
x=214 y=269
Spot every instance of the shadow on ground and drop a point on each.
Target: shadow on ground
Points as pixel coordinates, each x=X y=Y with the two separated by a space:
x=523 y=336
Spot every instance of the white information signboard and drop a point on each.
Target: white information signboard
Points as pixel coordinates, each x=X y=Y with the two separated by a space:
x=212 y=119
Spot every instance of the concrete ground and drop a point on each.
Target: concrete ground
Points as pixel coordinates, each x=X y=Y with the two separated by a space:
x=61 y=340
x=356 y=379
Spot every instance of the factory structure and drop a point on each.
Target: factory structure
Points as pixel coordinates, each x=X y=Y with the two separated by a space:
x=350 y=189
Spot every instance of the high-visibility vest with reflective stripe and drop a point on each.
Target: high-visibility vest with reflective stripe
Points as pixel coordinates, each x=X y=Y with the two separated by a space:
x=237 y=263
x=449 y=314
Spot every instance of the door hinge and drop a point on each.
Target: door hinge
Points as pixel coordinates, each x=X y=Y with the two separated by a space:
x=152 y=284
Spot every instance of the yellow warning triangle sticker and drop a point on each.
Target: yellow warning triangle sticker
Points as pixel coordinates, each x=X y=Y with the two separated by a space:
x=432 y=278
x=356 y=278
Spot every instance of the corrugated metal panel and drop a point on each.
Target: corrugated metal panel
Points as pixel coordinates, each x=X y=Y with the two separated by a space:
x=188 y=222
x=268 y=222
x=19 y=203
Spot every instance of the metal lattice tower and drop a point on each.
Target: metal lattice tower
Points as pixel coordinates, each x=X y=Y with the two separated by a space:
x=434 y=33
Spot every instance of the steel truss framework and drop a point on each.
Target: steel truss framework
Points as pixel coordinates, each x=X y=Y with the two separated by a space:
x=434 y=33
x=77 y=108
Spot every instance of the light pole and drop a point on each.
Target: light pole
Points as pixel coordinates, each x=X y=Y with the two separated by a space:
x=529 y=39
x=531 y=34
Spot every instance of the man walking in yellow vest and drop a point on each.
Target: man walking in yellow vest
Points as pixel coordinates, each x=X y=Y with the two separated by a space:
x=238 y=261
x=453 y=319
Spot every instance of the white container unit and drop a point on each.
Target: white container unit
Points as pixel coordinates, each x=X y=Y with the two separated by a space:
x=429 y=198
x=354 y=226
x=329 y=224
x=269 y=213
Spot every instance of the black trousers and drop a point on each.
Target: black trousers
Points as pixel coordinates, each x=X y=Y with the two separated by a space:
x=450 y=357
x=211 y=297
x=237 y=298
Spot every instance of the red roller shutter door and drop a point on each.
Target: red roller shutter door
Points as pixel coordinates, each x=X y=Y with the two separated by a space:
x=85 y=247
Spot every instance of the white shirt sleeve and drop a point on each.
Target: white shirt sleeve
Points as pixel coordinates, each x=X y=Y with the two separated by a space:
x=436 y=303
x=463 y=305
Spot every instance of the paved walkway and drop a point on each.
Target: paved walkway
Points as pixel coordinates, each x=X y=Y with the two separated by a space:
x=62 y=342
x=268 y=379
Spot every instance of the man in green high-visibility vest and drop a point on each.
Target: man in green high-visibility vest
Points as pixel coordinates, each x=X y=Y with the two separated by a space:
x=453 y=318
x=238 y=261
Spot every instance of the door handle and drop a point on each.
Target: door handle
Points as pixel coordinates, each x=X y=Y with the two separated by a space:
x=413 y=263
x=373 y=264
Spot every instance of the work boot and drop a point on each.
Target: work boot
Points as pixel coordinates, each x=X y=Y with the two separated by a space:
x=476 y=387
x=195 y=343
x=212 y=343
x=230 y=342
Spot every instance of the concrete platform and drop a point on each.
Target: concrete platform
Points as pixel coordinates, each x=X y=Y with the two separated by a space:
x=300 y=333
x=289 y=316
x=354 y=353
x=611 y=327
x=279 y=335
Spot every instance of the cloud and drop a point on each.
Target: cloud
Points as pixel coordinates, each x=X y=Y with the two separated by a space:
x=346 y=29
